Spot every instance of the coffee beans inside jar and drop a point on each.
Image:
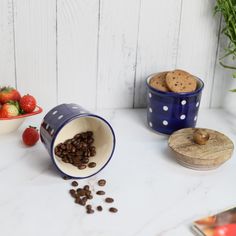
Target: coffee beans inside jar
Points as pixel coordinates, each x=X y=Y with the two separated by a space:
x=78 y=150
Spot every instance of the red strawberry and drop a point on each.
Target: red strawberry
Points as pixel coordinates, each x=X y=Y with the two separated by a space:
x=30 y=136
x=9 y=94
x=27 y=103
x=8 y=110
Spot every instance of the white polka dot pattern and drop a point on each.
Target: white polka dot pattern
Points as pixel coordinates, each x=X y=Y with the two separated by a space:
x=165 y=108
x=150 y=95
x=60 y=117
x=165 y=122
x=183 y=102
x=150 y=124
x=182 y=117
x=150 y=109
x=197 y=104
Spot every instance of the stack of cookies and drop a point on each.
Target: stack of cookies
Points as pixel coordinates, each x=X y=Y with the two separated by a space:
x=177 y=81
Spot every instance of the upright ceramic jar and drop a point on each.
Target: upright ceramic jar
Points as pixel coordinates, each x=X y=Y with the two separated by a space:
x=169 y=111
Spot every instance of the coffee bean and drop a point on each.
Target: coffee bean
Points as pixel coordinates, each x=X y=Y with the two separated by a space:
x=81 y=202
x=82 y=166
x=68 y=146
x=109 y=200
x=65 y=177
x=74 y=184
x=88 y=206
x=99 y=208
x=100 y=192
x=88 y=192
x=89 y=133
x=72 y=193
x=81 y=192
x=90 y=211
x=102 y=182
x=92 y=164
x=90 y=197
x=84 y=199
x=92 y=153
x=113 y=209
x=85 y=160
x=90 y=140
x=86 y=187
x=77 y=150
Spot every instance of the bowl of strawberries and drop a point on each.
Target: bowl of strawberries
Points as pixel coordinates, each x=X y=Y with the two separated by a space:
x=14 y=109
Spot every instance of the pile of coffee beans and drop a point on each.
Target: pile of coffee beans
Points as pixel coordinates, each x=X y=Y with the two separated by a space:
x=78 y=150
x=82 y=195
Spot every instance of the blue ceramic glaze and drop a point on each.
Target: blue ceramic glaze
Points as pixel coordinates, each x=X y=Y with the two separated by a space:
x=169 y=111
x=56 y=119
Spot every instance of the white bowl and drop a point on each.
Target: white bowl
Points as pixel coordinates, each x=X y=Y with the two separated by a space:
x=8 y=125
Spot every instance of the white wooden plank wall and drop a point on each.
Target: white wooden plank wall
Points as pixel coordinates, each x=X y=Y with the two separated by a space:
x=157 y=42
x=97 y=53
x=77 y=41
x=35 y=49
x=7 y=61
x=198 y=40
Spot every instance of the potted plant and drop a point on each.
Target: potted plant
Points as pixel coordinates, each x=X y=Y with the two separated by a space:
x=227 y=8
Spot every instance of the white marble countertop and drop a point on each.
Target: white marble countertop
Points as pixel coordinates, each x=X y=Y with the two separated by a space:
x=154 y=194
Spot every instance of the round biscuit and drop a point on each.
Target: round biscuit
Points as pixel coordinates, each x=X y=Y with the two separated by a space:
x=180 y=81
x=158 y=82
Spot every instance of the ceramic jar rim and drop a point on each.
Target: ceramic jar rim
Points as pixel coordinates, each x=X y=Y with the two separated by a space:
x=184 y=94
x=68 y=121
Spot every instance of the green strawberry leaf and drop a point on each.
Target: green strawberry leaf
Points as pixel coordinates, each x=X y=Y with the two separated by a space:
x=233 y=90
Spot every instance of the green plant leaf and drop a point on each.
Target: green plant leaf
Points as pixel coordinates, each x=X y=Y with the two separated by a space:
x=234 y=75
x=233 y=90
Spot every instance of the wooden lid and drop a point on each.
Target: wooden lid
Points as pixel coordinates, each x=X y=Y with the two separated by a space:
x=215 y=152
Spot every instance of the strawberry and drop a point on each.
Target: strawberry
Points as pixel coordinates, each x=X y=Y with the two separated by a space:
x=8 y=110
x=9 y=94
x=27 y=103
x=30 y=136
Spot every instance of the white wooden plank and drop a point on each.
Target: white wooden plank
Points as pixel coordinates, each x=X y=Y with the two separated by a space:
x=7 y=65
x=158 y=40
x=77 y=51
x=35 y=42
x=198 y=42
x=117 y=52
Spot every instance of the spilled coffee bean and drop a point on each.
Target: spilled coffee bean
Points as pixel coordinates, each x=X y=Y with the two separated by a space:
x=72 y=193
x=65 y=177
x=83 y=195
x=102 y=182
x=113 y=209
x=109 y=200
x=77 y=150
x=100 y=192
x=74 y=184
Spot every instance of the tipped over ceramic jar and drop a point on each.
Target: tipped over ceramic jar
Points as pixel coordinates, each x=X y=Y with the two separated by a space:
x=64 y=122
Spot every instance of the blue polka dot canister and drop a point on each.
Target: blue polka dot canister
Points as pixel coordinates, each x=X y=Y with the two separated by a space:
x=170 y=111
x=61 y=132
